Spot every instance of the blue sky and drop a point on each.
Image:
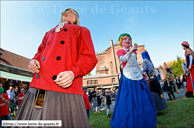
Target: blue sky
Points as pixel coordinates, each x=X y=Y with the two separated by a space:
x=159 y=25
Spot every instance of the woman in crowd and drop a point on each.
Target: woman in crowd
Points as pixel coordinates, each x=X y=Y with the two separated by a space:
x=156 y=92
x=169 y=86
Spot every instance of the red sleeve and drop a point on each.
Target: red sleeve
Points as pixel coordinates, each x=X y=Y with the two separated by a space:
x=40 y=48
x=121 y=52
x=6 y=96
x=19 y=95
x=87 y=59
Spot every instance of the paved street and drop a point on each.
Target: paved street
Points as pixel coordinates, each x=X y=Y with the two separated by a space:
x=177 y=96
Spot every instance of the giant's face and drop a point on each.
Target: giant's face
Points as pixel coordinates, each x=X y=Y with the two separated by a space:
x=70 y=16
x=126 y=42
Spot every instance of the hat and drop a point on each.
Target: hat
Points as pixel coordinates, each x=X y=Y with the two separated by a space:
x=1 y=90
x=84 y=88
x=124 y=34
x=185 y=43
x=151 y=71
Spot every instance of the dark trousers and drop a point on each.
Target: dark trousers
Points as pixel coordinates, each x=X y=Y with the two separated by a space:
x=88 y=111
x=169 y=94
x=6 y=117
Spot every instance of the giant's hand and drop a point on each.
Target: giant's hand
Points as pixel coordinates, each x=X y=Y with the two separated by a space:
x=65 y=79
x=133 y=49
x=34 y=65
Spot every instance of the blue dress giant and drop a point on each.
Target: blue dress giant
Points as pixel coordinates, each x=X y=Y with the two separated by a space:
x=134 y=107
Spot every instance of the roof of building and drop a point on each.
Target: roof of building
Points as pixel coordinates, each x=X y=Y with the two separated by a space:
x=13 y=59
x=98 y=75
x=115 y=44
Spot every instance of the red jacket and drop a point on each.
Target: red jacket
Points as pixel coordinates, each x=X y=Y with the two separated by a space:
x=71 y=49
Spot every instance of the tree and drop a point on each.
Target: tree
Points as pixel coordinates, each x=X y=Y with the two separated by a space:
x=176 y=67
x=89 y=74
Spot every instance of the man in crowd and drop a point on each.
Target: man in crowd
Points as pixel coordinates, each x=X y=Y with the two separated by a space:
x=94 y=98
x=16 y=95
x=21 y=96
x=11 y=96
x=4 y=101
x=86 y=101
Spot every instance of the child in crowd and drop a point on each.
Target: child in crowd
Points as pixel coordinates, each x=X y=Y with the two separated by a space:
x=156 y=91
x=108 y=103
x=98 y=102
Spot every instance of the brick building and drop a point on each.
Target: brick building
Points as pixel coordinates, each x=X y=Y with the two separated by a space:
x=14 y=70
x=108 y=67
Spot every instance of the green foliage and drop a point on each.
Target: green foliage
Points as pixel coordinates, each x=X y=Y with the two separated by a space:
x=89 y=74
x=176 y=67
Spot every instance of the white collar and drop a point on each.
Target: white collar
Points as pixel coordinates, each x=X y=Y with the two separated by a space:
x=60 y=25
x=151 y=77
x=126 y=49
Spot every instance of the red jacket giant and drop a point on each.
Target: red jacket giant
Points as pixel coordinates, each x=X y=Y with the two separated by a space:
x=71 y=49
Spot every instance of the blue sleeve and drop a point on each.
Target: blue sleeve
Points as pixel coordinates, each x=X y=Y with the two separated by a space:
x=144 y=66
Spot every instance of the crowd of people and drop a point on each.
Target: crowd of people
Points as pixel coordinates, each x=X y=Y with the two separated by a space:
x=10 y=101
x=97 y=98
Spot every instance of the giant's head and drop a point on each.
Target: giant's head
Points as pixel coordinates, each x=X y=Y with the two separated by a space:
x=125 y=40
x=70 y=15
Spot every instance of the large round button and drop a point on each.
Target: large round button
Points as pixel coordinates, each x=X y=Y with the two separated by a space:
x=58 y=57
x=43 y=58
x=62 y=42
x=47 y=43
x=52 y=31
x=54 y=77
x=65 y=29
x=37 y=76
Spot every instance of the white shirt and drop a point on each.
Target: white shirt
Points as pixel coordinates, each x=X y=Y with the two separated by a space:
x=10 y=94
x=131 y=70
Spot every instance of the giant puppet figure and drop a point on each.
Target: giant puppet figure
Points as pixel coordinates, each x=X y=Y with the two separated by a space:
x=189 y=55
x=64 y=56
x=134 y=106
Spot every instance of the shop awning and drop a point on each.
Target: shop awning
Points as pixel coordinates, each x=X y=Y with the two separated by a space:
x=12 y=76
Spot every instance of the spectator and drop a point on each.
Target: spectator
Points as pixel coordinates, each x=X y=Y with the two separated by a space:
x=21 y=96
x=168 y=83
x=86 y=101
x=16 y=95
x=178 y=82
x=94 y=99
x=184 y=80
x=108 y=103
x=90 y=96
x=11 y=96
x=156 y=91
x=4 y=111
x=98 y=102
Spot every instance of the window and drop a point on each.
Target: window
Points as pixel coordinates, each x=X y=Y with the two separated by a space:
x=88 y=82
x=113 y=80
x=111 y=67
x=96 y=81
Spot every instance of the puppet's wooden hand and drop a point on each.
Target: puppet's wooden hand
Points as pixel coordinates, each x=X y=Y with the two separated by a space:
x=34 y=65
x=133 y=49
x=65 y=79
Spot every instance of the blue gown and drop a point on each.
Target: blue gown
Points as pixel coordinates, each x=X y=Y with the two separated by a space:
x=134 y=107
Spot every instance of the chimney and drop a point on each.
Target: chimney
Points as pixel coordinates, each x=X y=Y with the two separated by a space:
x=114 y=56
